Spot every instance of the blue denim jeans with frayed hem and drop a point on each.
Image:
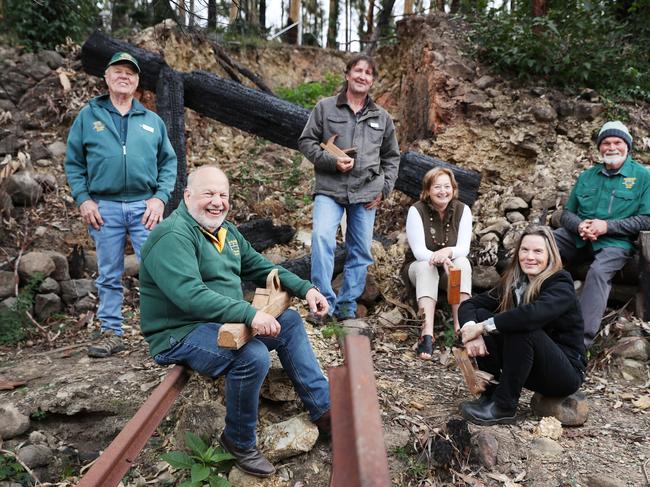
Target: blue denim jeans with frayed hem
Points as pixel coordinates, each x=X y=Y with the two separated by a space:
x=246 y=368
x=120 y=219
x=327 y=216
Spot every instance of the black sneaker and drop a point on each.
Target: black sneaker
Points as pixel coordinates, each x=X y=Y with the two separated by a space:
x=250 y=461
x=107 y=345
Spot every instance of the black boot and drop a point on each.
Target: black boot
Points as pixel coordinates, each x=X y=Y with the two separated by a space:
x=487 y=413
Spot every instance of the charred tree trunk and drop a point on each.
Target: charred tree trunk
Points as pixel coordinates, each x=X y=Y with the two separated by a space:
x=383 y=22
x=302 y=266
x=212 y=14
x=170 y=104
x=333 y=24
x=414 y=166
x=263 y=234
x=245 y=108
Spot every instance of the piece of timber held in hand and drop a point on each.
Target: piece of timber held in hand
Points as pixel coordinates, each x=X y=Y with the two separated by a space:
x=475 y=379
x=270 y=299
x=453 y=285
x=335 y=150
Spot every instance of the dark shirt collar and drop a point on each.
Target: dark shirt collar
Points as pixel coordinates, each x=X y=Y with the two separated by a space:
x=342 y=99
x=625 y=170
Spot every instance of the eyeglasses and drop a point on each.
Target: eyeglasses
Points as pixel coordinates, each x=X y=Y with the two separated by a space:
x=439 y=187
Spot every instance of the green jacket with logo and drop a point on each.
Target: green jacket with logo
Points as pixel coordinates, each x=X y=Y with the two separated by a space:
x=98 y=166
x=185 y=280
x=611 y=197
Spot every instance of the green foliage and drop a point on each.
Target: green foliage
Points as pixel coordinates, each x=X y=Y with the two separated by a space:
x=577 y=44
x=449 y=336
x=307 y=94
x=11 y=470
x=38 y=415
x=333 y=329
x=14 y=323
x=202 y=465
x=45 y=23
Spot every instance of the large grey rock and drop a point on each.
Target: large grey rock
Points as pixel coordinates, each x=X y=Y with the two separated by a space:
x=546 y=448
x=633 y=347
x=515 y=217
x=572 y=410
x=87 y=303
x=487 y=448
x=52 y=58
x=76 y=289
x=604 y=480
x=12 y=421
x=289 y=438
x=15 y=84
x=24 y=189
x=500 y=227
x=396 y=437
x=35 y=455
x=484 y=277
x=38 y=151
x=588 y=111
x=45 y=305
x=61 y=270
x=57 y=149
x=514 y=203
x=9 y=144
x=544 y=113
x=633 y=370
x=459 y=70
x=34 y=263
x=37 y=70
x=9 y=303
x=48 y=286
x=7 y=285
x=277 y=386
x=46 y=180
x=485 y=82
x=131 y=265
x=205 y=419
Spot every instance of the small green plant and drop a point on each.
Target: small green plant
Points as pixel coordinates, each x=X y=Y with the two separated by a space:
x=307 y=94
x=449 y=336
x=333 y=329
x=38 y=415
x=14 y=323
x=203 y=465
x=11 y=470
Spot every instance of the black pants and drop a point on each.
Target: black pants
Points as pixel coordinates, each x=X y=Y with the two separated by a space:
x=531 y=360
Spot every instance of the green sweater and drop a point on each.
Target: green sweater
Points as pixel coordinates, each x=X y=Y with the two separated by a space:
x=98 y=166
x=185 y=280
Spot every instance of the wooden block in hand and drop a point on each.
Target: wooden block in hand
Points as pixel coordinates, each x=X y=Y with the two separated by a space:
x=233 y=335
x=453 y=285
x=476 y=380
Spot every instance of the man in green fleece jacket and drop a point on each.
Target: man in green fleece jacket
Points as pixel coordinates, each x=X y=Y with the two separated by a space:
x=121 y=168
x=192 y=268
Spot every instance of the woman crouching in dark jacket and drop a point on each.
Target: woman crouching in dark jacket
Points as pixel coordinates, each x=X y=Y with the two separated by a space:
x=527 y=331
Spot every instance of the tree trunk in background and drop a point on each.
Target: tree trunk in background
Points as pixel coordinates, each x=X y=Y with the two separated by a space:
x=212 y=14
x=252 y=13
x=294 y=15
x=263 y=14
x=408 y=7
x=190 y=14
x=333 y=24
x=234 y=11
x=162 y=10
x=120 y=14
x=540 y=8
x=383 y=23
x=440 y=5
x=455 y=5
x=370 y=20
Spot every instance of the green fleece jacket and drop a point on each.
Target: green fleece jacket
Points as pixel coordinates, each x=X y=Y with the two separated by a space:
x=98 y=166
x=185 y=280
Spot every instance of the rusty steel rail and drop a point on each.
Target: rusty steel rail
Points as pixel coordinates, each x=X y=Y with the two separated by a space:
x=118 y=458
x=358 y=449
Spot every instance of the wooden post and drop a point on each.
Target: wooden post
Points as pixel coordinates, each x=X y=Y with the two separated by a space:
x=453 y=285
x=643 y=298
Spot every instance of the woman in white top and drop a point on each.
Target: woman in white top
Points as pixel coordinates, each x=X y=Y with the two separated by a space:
x=439 y=231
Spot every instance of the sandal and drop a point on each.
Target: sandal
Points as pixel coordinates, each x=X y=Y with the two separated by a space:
x=425 y=346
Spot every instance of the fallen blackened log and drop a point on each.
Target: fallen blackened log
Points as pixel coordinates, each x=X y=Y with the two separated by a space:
x=302 y=266
x=245 y=108
x=413 y=167
x=99 y=48
x=263 y=234
x=257 y=112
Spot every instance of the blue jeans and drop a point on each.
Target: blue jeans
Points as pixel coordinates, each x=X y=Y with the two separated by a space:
x=358 y=239
x=246 y=368
x=120 y=219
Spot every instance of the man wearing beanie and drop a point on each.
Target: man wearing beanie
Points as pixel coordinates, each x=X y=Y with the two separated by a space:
x=608 y=206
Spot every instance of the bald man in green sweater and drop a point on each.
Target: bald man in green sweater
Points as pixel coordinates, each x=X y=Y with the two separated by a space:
x=192 y=268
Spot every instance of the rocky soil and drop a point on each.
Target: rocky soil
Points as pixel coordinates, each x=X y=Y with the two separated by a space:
x=528 y=142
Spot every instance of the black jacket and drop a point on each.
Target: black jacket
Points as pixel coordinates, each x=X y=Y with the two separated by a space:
x=555 y=310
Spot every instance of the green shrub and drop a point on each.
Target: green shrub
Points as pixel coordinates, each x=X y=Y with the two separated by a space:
x=575 y=45
x=11 y=470
x=203 y=465
x=45 y=23
x=14 y=323
x=308 y=94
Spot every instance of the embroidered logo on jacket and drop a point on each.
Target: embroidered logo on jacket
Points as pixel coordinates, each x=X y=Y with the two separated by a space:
x=234 y=246
x=629 y=182
x=98 y=126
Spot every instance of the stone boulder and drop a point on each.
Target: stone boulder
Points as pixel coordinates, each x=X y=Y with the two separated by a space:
x=48 y=286
x=56 y=149
x=87 y=303
x=7 y=285
x=35 y=263
x=545 y=448
x=572 y=410
x=486 y=447
x=24 y=189
x=35 y=455
x=131 y=265
x=61 y=271
x=636 y=348
x=12 y=421
x=484 y=277
x=288 y=438
x=76 y=289
x=45 y=305
x=205 y=419
x=52 y=58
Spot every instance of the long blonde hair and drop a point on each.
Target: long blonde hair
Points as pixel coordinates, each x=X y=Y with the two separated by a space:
x=514 y=273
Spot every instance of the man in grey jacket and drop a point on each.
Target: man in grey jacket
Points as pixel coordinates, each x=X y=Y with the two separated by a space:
x=354 y=185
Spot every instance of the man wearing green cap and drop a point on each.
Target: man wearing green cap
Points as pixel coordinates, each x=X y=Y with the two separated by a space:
x=608 y=206
x=121 y=169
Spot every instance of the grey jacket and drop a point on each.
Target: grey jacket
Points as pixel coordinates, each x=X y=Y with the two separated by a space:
x=373 y=135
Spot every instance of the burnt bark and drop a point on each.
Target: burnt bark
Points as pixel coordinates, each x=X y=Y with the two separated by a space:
x=302 y=266
x=170 y=104
x=263 y=234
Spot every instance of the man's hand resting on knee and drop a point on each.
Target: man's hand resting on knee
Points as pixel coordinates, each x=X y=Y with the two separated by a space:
x=264 y=324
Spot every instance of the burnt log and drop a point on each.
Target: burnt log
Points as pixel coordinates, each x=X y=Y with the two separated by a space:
x=99 y=48
x=170 y=105
x=247 y=109
x=302 y=266
x=263 y=234
x=413 y=166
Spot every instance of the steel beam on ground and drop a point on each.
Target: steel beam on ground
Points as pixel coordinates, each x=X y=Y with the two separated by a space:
x=358 y=451
x=118 y=458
